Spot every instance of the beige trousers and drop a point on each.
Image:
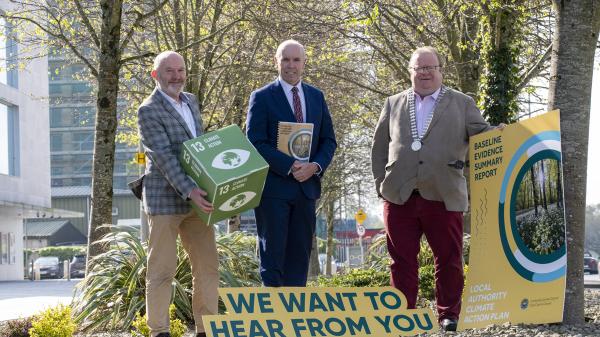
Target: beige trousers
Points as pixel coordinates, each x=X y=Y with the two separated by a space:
x=198 y=241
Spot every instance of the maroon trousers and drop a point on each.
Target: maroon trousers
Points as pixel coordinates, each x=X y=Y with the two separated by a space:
x=405 y=224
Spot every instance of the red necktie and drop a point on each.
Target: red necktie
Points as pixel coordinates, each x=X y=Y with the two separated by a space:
x=297 y=105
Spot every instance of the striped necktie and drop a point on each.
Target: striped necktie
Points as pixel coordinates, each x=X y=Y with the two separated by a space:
x=297 y=105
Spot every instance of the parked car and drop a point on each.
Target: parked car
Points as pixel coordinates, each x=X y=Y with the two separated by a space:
x=49 y=266
x=77 y=266
x=590 y=264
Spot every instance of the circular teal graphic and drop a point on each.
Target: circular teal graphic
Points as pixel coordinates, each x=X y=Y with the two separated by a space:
x=527 y=263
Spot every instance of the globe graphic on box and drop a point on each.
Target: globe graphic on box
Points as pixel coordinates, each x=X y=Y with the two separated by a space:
x=231 y=158
x=238 y=201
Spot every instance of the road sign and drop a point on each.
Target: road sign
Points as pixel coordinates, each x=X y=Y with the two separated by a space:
x=360 y=230
x=140 y=158
x=360 y=216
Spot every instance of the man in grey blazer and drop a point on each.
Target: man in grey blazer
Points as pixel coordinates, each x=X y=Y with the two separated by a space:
x=417 y=158
x=166 y=119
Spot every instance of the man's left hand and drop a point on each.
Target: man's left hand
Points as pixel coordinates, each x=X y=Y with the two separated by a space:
x=501 y=126
x=303 y=171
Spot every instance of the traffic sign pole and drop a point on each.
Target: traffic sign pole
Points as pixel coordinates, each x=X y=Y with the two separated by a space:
x=360 y=217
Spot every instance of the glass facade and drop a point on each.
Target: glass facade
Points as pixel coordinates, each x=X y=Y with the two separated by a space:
x=72 y=117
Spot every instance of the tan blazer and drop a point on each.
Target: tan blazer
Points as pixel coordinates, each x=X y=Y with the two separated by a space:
x=398 y=170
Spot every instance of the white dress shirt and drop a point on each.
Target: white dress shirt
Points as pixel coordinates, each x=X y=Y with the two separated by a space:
x=423 y=108
x=287 y=89
x=183 y=109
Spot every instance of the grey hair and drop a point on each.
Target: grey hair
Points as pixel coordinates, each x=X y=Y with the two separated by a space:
x=426 y=50
x=286 y=43
x=162 y=56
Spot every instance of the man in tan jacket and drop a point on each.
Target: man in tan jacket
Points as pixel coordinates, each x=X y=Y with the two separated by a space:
x=417 y=158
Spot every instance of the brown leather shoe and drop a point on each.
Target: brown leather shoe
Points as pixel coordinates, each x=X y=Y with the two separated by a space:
x=201 y=334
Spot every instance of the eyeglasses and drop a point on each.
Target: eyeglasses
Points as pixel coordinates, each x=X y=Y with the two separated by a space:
x=427 y=69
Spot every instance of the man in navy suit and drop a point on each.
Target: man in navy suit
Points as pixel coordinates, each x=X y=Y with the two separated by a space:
x=286 y=215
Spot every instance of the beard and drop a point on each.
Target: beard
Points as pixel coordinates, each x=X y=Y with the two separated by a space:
x=172 y=89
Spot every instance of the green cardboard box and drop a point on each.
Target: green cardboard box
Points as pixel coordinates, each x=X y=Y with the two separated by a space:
x=228 y=167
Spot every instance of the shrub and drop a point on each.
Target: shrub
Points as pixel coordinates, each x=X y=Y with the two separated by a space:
x=141 y=329
x=114 y=291
x=357 y=278
x=544 y=233
x=427 y=282
x=379 y=259
x=53 y=322
x=62 y=252
x=16 y=328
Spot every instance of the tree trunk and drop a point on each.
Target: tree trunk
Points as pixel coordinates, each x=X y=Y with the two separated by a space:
x=543 y=185
x=535 y=196
x=572 y=65
x=330 y=244
x=313 y=264
x=498 y=85
x=106 y=126
x=559 y=190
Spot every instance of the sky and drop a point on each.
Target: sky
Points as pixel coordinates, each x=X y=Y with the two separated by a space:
x=593 y=170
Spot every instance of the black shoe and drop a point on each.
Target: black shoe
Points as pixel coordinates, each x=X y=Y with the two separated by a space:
x=201 y=334
x=164 y=334
x=448 y=324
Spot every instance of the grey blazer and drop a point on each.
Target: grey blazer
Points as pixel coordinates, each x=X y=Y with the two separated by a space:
x=162 y=131
x=398 y=170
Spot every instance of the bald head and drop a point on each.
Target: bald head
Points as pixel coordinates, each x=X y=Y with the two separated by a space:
x=290 y=59
x=287 y=43
x=169 y=73
x=160 y=58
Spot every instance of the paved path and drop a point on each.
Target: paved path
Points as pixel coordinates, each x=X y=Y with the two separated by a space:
x=26 y=298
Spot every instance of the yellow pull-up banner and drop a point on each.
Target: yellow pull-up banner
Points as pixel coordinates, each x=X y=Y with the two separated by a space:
x=518 y=256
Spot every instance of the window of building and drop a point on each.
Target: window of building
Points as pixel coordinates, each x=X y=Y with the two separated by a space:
x=120 y=182
x=79 y=88
x=56 y=170
x=3 y=248
x=8 y=56
x=83 y=140
x=71 y=117
x=9 y=140
x=56 y=142
x=83 y=116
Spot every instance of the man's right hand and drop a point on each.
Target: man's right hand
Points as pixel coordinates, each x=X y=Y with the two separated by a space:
x=197 y=195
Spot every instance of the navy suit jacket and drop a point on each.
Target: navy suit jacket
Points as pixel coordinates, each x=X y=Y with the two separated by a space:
x=268 y=106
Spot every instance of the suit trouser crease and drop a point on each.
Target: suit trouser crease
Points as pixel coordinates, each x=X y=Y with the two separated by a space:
x=405 y=224
x=198 y=240
x=285 y=229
